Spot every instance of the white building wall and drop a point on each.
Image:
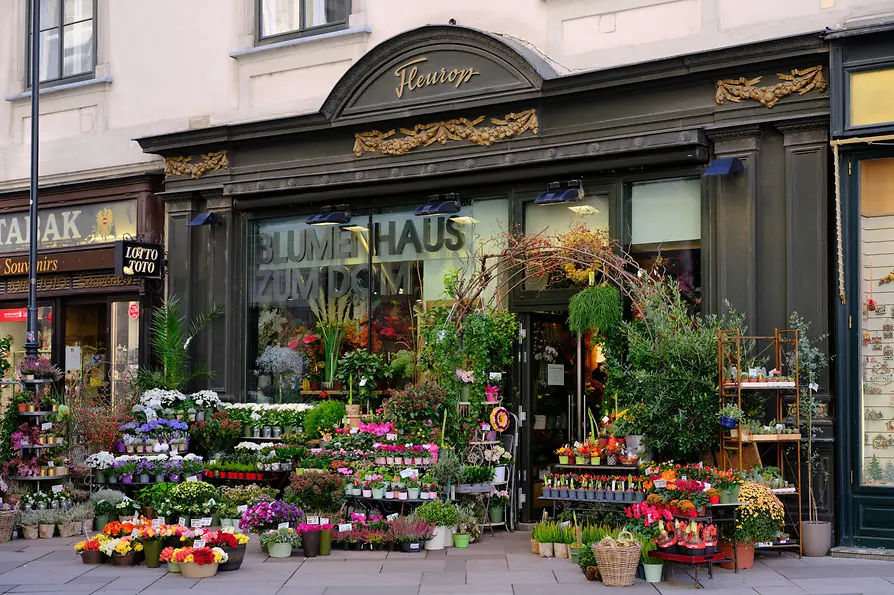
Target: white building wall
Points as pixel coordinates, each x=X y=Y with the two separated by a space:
x=170 y=65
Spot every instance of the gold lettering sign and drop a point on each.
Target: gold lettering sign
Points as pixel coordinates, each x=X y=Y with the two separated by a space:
x=410 y=79
x=19 y=266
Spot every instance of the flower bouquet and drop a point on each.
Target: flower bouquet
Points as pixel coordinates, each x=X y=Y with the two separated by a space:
x=199 y=562
x=90 y=551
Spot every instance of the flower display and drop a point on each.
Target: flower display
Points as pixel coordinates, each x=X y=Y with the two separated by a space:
x=265 y=515
x=120 y=546
x=499 y=419
x=100 y=461
x=225 y=538
x=761 y=515
x=198 y=555
x=91 y=545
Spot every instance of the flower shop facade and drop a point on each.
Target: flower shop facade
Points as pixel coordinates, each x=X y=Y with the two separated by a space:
x=715 y=161
x=90 y=319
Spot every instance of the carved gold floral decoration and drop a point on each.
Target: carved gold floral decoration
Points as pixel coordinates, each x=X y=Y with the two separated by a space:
x=423 y=135
x=183 y=166
x=798 y=81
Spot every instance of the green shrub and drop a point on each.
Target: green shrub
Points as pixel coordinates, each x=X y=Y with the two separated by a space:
x=587 y=557
x=439 y=514
x=323 y=417
x=475 y=474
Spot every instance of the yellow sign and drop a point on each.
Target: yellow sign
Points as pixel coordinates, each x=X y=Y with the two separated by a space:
x=410 y=79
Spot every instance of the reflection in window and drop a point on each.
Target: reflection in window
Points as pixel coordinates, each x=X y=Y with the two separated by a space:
x=554 y=219
x=66 y=38
x=280 y=17
x=665 y=230
x=876 y=323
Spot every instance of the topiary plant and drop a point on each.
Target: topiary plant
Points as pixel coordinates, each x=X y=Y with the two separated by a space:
x=323 y=417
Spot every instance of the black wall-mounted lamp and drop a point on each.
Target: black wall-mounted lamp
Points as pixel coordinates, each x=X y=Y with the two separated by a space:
x=204 y=219
x=439 y=204
x=337 y=215
x=725 y=166
x=558 y=193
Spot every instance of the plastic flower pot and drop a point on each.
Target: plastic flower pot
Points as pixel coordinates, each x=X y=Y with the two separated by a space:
x=93 y=557
x=378 y=493
x=152 y=548
x=714 y=499
x=595 y=460
x=413 y=493
x=437 y=540
x=279 y=550
x=193 y=570
x=574 y=554
x=234 y=561
x=100 y=476
x=563 y=460
x=129 y=559
x=367 y=493
x=461 y=541
x=495 y=513
x=728 y=422
x=174 y=567
x=580 y=460
x=411 y=547
x=653 y=572
x=326 y=542
x=311 y=541
x=100 y=521
x=816 y=538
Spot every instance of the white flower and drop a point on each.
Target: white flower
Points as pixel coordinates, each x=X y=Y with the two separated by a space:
x=101 y=460
x=207 y=399
x=280 y=360
x=248 y=446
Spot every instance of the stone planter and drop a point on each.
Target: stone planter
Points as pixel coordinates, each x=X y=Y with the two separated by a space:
x=193 y=570
x=816 y=538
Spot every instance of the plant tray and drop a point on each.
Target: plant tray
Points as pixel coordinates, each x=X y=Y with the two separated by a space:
x=474 y=488
x=773 y=438
x=761 y=385
x=718 y=557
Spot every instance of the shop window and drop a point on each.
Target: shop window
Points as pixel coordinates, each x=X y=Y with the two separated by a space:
x=67 y=40
x=13 y=324
x=284 y=19
x=870 y=97
x=300 y=274
x=877 y=320
x=664 y=230
x=552 y=220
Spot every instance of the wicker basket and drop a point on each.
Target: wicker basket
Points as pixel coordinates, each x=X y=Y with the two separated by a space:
x=535 y=548
x=618 y=560
x=7 y=522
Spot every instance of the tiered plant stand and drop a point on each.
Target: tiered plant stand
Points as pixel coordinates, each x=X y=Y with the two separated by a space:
x=36 y=418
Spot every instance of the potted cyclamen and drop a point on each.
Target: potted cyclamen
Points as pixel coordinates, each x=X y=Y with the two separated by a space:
x=377 y=483
x=279 y=542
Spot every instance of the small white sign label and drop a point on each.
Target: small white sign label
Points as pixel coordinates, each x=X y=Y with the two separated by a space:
x=313 y=520
x=363 y=382
x=555 y=374
x=156 y=523
x=283 y=526
x=324 y=520
x=195 y=523
x=181 y=521
x=242 y=508
x=495 y=376
x=206 y=521
x=198 y=543
x=345 y=527
x=57 y=489
x=135 y=532
x=48 y=425
x=409 y=473
x=391 y=517
x=192 y=478
x=391 y=436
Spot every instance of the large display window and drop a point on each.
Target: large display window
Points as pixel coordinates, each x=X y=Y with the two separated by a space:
x=371 y=278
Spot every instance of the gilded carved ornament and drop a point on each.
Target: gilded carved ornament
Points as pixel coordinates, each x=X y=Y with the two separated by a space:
x=798 y=81
x=183 y=166
x=423 y=135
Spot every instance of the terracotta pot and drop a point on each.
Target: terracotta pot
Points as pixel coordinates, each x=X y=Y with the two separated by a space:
x=744 y=553
x=352 y=410
x=193 y=570
x=22 y=407
x=125 y=560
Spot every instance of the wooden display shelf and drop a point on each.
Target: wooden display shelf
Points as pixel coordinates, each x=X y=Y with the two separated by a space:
x=772 y=438
x=600 y=467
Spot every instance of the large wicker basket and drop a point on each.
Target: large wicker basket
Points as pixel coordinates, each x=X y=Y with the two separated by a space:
x=7 y=522
x=618 y=560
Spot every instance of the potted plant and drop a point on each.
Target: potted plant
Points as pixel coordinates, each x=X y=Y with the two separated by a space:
x=498 y=502
x=279 y=542
x=310 y=538
x=23 y=400
x=564 y=454
x=122 y=550
x=409 y=533
x=46 y=523
x=360 y=370
x=730 y=415
x=199 y=562
x=544 y=533
x=758 y=520
x=652 y=567
x=89 y=550
x=29 y=522
x=442 y=516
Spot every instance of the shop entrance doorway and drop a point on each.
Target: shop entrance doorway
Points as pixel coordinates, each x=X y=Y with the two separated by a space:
x=561 y=380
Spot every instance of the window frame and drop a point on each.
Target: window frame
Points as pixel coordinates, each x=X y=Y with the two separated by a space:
x=61 y=80
x=302 y=31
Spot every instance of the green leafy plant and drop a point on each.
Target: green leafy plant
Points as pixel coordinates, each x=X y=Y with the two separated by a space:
x=447 y=470
x=170 y=344
x=323 y=417
x=468 y=519
x=596 y=308
x=439 y=514
x=416 y=410
x=732 y=411
x=475 y=474
x=333 y=319
x=586 y=558
x=359 y=370
x=321 y=492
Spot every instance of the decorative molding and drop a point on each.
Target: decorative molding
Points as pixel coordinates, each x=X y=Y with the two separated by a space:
x=805 y=133
x=755 y=52
x=423 y=135
x=485 y=161
x=739 y=140
x=798 y=81
x=183 y=166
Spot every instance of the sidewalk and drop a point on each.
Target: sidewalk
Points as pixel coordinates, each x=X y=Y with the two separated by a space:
x=499 y=565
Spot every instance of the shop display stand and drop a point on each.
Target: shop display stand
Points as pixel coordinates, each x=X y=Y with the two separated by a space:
x=35 y=418
x=474 y=455
x=732 y=449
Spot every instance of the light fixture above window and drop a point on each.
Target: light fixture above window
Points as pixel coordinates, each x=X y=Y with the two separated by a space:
x=558 y=193
x=337 y=215
x=439 y=204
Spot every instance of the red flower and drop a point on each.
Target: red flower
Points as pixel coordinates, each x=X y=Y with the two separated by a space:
x=308 y=339
x=203 y=555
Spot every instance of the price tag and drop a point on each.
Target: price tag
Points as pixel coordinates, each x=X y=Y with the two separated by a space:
x=391 y=517
x=613 y=485
x=660 y=483
x=409 y=473
x=46 y=426
x=198 y=543
x=195 y=523
x=206 y=521
x=156 y=523
x=135 y=532
x=57 y=489
x=181 y=521
x=212 y=502
x=313 y=520
x=495 y=376
x=363 y=381
x=707 y=487
x=345 y=527
x=192 y=478
x=324 y=520
x=391 y=436
x=283 y=526
x=813 y=386
x=242 y=508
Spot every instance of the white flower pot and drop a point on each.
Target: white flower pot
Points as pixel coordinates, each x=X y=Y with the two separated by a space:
x=437 y=540
x=500 y=474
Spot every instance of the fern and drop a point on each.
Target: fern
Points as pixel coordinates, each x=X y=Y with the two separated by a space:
x=596 y=308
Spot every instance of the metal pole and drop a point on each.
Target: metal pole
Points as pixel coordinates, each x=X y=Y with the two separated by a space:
x=31 y=334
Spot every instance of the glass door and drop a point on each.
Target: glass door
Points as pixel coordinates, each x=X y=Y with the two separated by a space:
x=125 y=344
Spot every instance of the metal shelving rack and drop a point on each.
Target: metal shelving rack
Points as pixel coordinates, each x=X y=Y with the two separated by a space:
x=730 y=353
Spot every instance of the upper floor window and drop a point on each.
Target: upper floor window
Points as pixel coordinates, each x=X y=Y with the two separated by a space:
x=67 y=39
x=283 y=19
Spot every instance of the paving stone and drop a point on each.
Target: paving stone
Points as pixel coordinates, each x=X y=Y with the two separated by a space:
x=789 y=590
x=301 y=591
x=640 y=588
x=510 y=577
x=431 y=579
x=379 y=590
x=883 y=570
x=488 y=589
x=351 y=567
x=356 y=580
x=854 y=584
x=427 y=565
x=489 y=564
x=569 y=575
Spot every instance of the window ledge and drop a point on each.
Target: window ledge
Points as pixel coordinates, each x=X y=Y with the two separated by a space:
x=300 y=41
x=60 y=88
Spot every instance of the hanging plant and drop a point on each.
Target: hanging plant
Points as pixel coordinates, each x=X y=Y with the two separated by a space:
x=596 y=308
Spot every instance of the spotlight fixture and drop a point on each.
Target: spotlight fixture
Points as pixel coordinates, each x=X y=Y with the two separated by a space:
x=725 y=166
x=204 y=219
x=353 y=227
x=561 y=192
x=439 y=204
x=337 y=215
